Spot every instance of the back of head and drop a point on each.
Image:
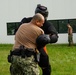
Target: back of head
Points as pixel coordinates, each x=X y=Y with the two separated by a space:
x=38 y=19
x=42 y=9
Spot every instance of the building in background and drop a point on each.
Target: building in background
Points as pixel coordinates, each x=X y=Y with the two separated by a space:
x=60 y=13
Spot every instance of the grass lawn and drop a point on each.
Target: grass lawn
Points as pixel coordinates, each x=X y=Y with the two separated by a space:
x=62 y=59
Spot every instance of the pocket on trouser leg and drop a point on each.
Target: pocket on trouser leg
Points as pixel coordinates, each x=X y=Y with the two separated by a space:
x=31 y=67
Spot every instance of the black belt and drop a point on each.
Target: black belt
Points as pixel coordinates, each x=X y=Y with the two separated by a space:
x=23 y=52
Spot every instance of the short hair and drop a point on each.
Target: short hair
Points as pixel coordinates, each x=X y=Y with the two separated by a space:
x=38 y=17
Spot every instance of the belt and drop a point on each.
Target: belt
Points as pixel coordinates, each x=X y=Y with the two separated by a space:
x=23 y=52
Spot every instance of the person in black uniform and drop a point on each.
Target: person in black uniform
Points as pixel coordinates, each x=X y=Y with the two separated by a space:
x=50 y=30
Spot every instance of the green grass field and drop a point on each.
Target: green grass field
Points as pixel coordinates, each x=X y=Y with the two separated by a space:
x=62 y=59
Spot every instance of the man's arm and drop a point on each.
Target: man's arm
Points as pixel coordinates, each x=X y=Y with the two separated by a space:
x=25 y=20
x=44 y=39
x=51 y=30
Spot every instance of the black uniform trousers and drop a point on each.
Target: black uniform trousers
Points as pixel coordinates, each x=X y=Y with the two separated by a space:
x=44 y=62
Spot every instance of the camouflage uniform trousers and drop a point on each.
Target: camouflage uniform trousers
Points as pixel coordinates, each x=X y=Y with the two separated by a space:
x=24 y=66
x=70 y=40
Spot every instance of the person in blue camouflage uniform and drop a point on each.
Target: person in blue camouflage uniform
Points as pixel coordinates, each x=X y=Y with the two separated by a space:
x=23 y=55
